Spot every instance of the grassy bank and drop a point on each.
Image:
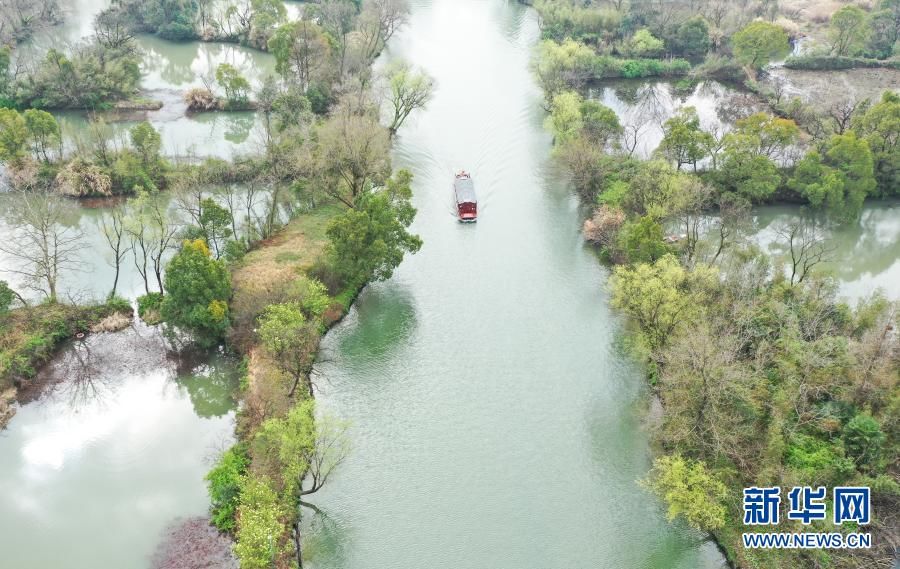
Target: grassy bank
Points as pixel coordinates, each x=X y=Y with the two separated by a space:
x=30 y=336
x=270 y=274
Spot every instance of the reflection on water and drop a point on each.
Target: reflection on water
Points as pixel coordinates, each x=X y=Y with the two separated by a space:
x=492 y=422
x=181 y=65
x=643 y=106
x=93 y=471
x=96 y=271
x=867 y=255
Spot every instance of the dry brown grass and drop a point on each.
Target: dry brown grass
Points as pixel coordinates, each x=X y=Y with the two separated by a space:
x=266 y=273
x=112 y=323
x=817 y=12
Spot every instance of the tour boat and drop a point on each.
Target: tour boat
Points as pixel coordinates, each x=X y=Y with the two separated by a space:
x=466 y=202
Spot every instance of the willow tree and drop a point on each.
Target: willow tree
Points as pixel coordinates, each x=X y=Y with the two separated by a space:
x=407 y=90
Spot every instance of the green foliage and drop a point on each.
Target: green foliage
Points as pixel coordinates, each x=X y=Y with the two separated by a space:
x=147 y=143
x=284 y=444
x=562 y=66
x=91 y=76
x=693 y=40
x=578 y=20
x=749 y=174
x=368 y=242
x=759 y=43
x=215 y=224
x=43 y=131
x=148 y=304
x=644 y=44
x=267 y=15
x=300 y=49
x=571 y=117
x=13 y=135
x=818 y=461
x=840 y=178
x=641 y=240
x=848 y=31
x=565 y=120
x=6 y=297
x=237 y=88
x=261 y=530
x=684 y=142
x=224 y=485
x=879 y=126
x=690 y=490
x=198 y=289
x=864 y=441
x=662 y=297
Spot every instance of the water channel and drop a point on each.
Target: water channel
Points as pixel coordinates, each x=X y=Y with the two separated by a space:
x=496 y=421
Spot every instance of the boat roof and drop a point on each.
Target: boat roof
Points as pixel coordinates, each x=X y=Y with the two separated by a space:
x=465 y=190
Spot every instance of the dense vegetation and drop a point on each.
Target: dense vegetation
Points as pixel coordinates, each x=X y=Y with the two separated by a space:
x=765 y=376
x=262 y=254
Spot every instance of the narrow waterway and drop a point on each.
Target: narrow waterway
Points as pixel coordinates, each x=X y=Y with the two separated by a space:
x=495 y=422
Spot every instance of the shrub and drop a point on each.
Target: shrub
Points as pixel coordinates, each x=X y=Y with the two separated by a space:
x=149 y=305
x=201 y=99
x=224 y=485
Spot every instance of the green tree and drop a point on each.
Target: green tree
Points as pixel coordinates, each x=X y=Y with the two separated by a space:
x=848 y=31
x=224 y=484
x=302 y=451
x=879 y=126
x=759 y=43
x=560 y=67
x=839 y=178
x=290 y=339
x=43 y=131
x=644 y=44
x=684 y=142
x=301 y=51
x=600 y=124
x=7 y=296
x=198 y=289
x=664 y=297
x=864 y=440
x=565 y=121
x=237 y=88
x=216 y=224
x=267 y=14
x=764 y=135
x=368 y=242
x=147 y=143
x=407 y=90
x=641 y=240
x=748 y=174
x=693 y=37
x=690 y=490
x=13 y=135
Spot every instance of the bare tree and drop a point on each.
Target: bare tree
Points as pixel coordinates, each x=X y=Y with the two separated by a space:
x=807 y=247
x=631 y=135
x=353 y=154
x=379 y=21
x=114 y=232
x=842 y=114
x=42 y=242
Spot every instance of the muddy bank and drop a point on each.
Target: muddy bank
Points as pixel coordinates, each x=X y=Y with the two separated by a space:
x=194 y=544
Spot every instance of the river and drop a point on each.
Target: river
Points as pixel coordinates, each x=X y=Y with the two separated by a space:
x=495 y=421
